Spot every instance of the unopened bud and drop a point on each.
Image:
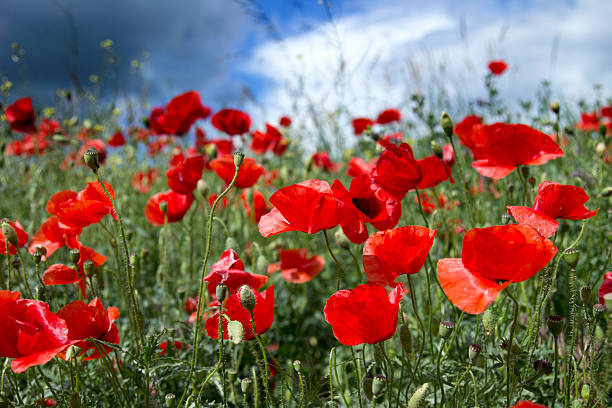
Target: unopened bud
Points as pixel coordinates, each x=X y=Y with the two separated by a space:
x=473 y=352
x=406 y=338
x=447 y=124
x=600 y=149
x=88 y=268
x=585 y=294
x=571 y=257
x=221 y=292
x=437 y=149
x=418 y=398
x=238 y=159
x=446 y=328
x=75 y=255
x=555 y=324
x=262 y=264
x=489 y=321
x=202 y=188
x=555 y=107
x=236 y=331
x=247 y=298
x=602 y=130
x=9 y=233
x=91 y=159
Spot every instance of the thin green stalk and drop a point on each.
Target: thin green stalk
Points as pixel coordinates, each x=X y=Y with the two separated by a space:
x=335 y=260
x=265 y=361
x=302 y=390
x=357 y=375
x=23 y=271
x=466 y=195
x=572 y=340
x=510 y=347
x=338 y=379
x=556 y=380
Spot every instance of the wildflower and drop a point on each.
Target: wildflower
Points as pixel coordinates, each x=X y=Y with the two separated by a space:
x=296 y=267
x=60 y=274
x=396 y=171
x=231 y=121
x=498 y=67
x=184 y=174
x=606 y=287
x=321 y=160
x=143 y=180
x=20 y=115
x=229 y=270
x=360 y=125
x=284 y=121
x=19 y=236
x=178 y=205
x=116 y=140
x=248 y=173
x=179 y=115
x=388 y=116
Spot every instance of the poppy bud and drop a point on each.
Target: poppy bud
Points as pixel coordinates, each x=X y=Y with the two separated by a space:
x=437 y=149
x=341 y=239
x=221 y=292
x=598 y=309
x=489 y=321
x=600 y=149
x=91 y=159
x=297 y=365
x=37 y=255
x=602 y=130
x=75 y=254
x=231 y=243
x=571 y=257
x=378 y=384
x=245 y=384
x=163 y=207
x=608 y=302
x=88 y=268
x=418 y=398
x=555 y=324
x=9 y=233
x=366 y=385
x=247 y=298
x=585 y=294
x=473 y=352
x=238 y=159
x=447 y=124
x=202 y=188
x=262 y=264
x=555 y=107
x=543 y=366
x=170 y=400
x=446 y=328
x=236 y=331
x=585 y=391
x=406 y=338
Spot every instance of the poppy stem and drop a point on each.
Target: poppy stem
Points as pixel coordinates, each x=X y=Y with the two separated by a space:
x=8 y=266
x=2 y=281
x=221 y=362
x=357 y=375
x=265 y=361
x=302 y=389
x=572 y=340
x=196 y=326
x=23 y=271
x=335 y=260
x=511 y=346
x=556 y=380
x=466 y=195
x=421 y=207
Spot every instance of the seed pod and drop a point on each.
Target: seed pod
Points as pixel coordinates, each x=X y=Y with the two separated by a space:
x=170 y=400
x=585 y=294
x=75 y=255
x=447 y=124
x=446 y=328
x=418 y=398
x=91 y=159
x=473 y=352
x=247 y=298
x=297 y=365
x=88 y=268
x=571 y=257
x=221 y=292
x=245 y=384
x=379 y=383
x=598 y=309
x=9 y=233
x=555 y=324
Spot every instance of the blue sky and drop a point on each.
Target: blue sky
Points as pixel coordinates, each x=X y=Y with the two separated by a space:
x=271 y=57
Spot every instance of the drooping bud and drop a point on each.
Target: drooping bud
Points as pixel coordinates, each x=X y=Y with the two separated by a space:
x=543 y=366
x=91 y=159
x=406 y=338
x=88 y=268
x=247 y=298
x=446 y=328
x=9 y=233
x=379 y=383
x=245 y=384
x=585 y=294
x=598 y=309
x=170 y=400
x=437 y=149
x=571 y=257
x=602 y=130
x=473 y=352
x=235 y=331
x=555 y=324
x=447 y=124
x=238 y=159
x=418 y=398
x=555 y=107
x=489 y=321
x=75 y=255
x=221 y=292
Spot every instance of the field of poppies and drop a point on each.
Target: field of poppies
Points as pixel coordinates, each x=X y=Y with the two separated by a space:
x=195 y=258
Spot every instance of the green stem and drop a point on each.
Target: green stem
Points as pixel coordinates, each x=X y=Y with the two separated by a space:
x=335 y=260
x=556 y=380
x=265 y=361
x=23 y=271
x=466 y=195
x=357 y=375
x=510 y=347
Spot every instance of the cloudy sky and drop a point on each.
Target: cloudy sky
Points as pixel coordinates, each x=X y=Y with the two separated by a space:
x=274 y=56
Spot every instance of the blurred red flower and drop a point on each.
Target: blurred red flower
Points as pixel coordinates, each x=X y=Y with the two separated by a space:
x=434 y=172
x=231 y=121
x=284 y=121
x=143 y=180
x=116 y=140
x=257 y=207
x=388 y=116
x=229 y=270
x=90 y=321
x=498 y=67
x=322 y=160
x=179 y=115
x=528 y=404
x=469 y=134
x=589 y=122
x=308 y=206
x=60 y=274
x=248 y=174
x=553 y=201
x=396 y=171
x=20 y=115
x=442 y=202
x=176 y=345
x=22 y=238
x=296 y=267
x=31 y=333
x=390 y=254
x=448 y=154
x=184 y=174
x=366 y=314
x=263 y=313
x=508 y=146
x=178 y=205
x=502 y=253
x=364 y=203
x=357 y=166
x=272 y=140
x=360 y=125
x=606 y=287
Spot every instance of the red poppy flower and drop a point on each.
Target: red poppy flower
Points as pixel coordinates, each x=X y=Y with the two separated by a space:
x=442 y=203
x=78 y=210
x=553 y=201
x=508 y=146
x=178 y=205
x=263 y=313
x=321 y=160
x=308 y=206
x=20 y=115
x=229 y=270
x=183 y=176
x=116 y=140
x=528 y=404
x=31 y=333
x=434 y=172
x=143 y=180
x=22 y=238
x=232 y=121
x=366 y=314
x=53 y=235
x=272 y=140
x=364 y=203
x=589 y=122
x=401 y=251
x=606 y=111
x=498 y=67
x=90 y=321
x=248 y=174
x=360 y=125
x=179 y=115
x=606 y=287
x=284 y=121
x=257 y=208
x=358 y=166
x=60 y=274
x=396 y=171
x=176 y=345
x=388 y=116
x=491 y=259
x=296 y=267
x=469 y=134
x=159 y=143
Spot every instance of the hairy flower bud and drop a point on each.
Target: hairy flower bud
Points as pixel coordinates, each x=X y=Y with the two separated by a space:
x=247 y=298
x=437 y=149
x=202 y=187
x=447 y=124
x=406 y=338
x=75 y=255
x=91 y=159
x=9 y=233
x=555 y=107
x=88 y=268
x=238 y=159
x=235 y=331
x=418 y=397
x=489 y=321
x=585 y=294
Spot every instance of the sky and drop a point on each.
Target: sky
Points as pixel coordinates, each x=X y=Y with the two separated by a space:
x=355 y=57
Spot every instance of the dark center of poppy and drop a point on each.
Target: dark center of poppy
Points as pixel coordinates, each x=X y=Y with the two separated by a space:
x=370 y=206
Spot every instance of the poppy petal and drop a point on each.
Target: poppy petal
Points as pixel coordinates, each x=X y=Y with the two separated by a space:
x=545 y=225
